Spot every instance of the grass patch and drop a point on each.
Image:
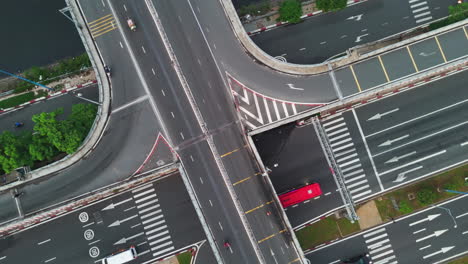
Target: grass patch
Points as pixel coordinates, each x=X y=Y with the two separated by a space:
x=184 y=258
x=325 y=230
x=19 y=99
x=463 y=260
x=452 y=180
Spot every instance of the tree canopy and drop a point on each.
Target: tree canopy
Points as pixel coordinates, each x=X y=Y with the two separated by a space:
x=291 y=11
x=330 y=5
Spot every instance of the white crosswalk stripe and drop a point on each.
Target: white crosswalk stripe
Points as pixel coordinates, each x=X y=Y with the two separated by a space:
x=420 y=10
x=346 y=156
x=152 y=219
x=380 y=248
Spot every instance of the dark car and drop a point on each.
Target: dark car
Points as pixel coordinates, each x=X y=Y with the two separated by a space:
x=360 y=259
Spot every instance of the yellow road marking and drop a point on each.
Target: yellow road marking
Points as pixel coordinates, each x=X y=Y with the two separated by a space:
x=269 y=202
x=412 y=59
x=229 y=153
x=99 y=19
x=101 y=29
x=355 y=79
x=251 y=210
x=383 y=68
x=294 y=260
x=103 y=22
x=282 y=231
x=266 y=238
x=102 y=33
x=466 y=34
x=241 y=181
x=440 y=48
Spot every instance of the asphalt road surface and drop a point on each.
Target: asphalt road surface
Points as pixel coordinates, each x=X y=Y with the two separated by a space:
x=157 y=218
x=434 y=235
x=320 y=38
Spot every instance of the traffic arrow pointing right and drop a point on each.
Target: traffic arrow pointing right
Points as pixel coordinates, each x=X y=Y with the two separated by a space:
x=428 y=218
x=442 y=250
x=436 y=234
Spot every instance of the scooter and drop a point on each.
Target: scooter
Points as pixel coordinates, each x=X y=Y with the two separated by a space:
x=18 y=124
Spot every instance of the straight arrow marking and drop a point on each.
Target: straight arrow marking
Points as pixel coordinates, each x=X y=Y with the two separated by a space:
x=428 y=218
x=378 y=116
x=436 y=234
x=442 y=250
x=390 y=141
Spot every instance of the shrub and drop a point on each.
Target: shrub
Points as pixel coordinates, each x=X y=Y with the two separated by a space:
x=405 y=208
x=330 y=5
x=426 y=196
x=291 y=11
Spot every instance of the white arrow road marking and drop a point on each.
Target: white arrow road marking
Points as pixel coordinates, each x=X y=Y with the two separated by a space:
x=356 y=17
x=397 y=158
x=359 y=38
x=402 y=176
x=390 y=141
x=124 y=240
x=113 y=205
x=294 y=88
x=413 y=162
x=378 y=116
x=442 y=250
x=436 y=234
x=118 y=222
x=428 y=218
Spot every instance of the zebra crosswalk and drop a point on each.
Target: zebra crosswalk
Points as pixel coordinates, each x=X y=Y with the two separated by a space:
x=346 y=156
x=420 y=10
x=152 y=219
x=379 y=246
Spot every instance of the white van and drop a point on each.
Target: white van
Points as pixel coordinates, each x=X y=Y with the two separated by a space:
x=121 y=257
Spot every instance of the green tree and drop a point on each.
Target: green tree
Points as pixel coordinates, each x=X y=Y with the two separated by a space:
x=458 y=12
x=405 y=208
x=330 y=5
x=14 y=151
x=82 y=118
x=41 y=149
x=291 y=11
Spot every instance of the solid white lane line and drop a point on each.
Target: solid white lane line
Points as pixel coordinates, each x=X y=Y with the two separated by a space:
x=146 y=198
x=340 y=142
x=420 y=9
x=355 y=179
x=464 y=233
x=351 y=168
x=359 y=189
x=347 y=175
x=428 y=246
x=138 y=100
x=49 y=260
x=92 y=223
x=158 y=235
x=419 y=231
x=423 y=19
x=348 y=163
x=338 y=137
x=43 y=242
x=412 y=1
x=154 y=73
x=152 y=219
x=142 y=243
x=220 y=226
x=155 y=224
x=374 y=233
x=142 y=188
x=337 y=132
x=162 y=251
x=414 y=161
x=345 y=152
x=345 y=158
x=334 y=127
x=329 y=123
x=422 y=14
x=143 y=193
x=133 y=226
x=336 y=261
x=378 y=244
x=464 y=144
x=148 y=209
x=419 y=117
x=462 y=215
x=418 y=4
x=151 y=214
x=343 y=147
x=130 y=208
x=147 y=203
x=4 y=257
x=94 y=242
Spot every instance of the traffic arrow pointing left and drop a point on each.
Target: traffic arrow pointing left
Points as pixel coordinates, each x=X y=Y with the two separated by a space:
x=118 y=222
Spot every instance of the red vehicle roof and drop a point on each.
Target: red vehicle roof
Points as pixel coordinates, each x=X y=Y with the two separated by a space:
x=299 y=195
